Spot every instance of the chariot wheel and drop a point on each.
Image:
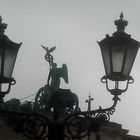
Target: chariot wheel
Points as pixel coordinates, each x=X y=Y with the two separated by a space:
x=40 y=99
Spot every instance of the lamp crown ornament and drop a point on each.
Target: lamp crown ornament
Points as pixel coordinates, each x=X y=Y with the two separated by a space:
x=121 y=23
x=3 y=26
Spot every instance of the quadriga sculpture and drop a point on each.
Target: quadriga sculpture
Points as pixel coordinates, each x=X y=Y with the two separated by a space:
x=62 y=98
x=51 y=96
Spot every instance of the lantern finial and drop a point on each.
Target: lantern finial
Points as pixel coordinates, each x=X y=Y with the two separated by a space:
x=121 y=23
x=3 y=26
x=121 y=15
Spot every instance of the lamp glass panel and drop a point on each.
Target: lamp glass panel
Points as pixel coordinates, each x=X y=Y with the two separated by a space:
x=10 y=58
x=117 y=52
x=130 y=57
x=106 y=58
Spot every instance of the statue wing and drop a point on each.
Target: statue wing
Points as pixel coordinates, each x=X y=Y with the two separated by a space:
x=47 y=49
x=52 y=49
x=64 y=73
x=44 y=47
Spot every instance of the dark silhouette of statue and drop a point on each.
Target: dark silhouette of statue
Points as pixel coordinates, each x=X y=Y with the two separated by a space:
x=55 y=75
x=51 y=95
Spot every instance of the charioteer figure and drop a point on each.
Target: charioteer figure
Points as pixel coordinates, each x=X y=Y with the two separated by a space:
x=55 y=74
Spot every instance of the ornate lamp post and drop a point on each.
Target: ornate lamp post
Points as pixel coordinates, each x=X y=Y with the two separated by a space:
x=8 y=54
x=118 y=52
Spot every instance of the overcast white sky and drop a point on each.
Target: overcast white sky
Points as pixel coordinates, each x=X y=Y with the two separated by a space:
x=73 y=26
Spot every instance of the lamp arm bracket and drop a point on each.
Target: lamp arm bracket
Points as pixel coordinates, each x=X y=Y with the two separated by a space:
x=106 y=112
x=88 y=120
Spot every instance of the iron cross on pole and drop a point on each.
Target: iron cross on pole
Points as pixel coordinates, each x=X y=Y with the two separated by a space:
x=88 y=101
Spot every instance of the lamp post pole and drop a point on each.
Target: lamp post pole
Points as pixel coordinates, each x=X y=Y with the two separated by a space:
x=1 y=97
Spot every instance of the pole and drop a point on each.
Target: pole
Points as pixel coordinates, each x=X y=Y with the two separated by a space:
x=56 y=131
x=1 y=96
x=56 y=127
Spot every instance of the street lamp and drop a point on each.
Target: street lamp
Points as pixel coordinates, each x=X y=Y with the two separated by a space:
x=118 y=52
x=8 y=54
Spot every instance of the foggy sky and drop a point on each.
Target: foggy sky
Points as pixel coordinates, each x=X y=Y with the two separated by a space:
x=74 y=27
